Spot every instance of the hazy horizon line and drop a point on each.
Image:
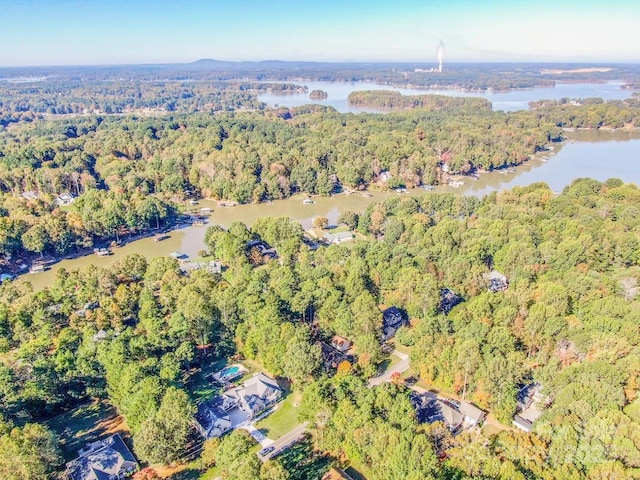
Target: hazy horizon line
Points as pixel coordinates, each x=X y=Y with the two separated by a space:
x=334 y=62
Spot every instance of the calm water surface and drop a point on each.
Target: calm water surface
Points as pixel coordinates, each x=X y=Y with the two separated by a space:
x=599 y=155
x=507 y=101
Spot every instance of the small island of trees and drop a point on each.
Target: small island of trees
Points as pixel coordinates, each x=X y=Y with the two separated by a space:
x=318 y=95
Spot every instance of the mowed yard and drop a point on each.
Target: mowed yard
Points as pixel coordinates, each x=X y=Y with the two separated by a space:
x=283 y=419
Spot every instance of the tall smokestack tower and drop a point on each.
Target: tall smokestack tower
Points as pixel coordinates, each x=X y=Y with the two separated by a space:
x=440 y=55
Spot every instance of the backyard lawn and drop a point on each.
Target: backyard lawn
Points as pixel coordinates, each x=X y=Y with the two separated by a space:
x=87 y=423
x=200 y=384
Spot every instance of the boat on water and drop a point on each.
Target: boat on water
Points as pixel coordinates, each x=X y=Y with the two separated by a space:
x=37 y=268
x=544 y=160
x=308 y=201
x=160 y=237
x=103 y=252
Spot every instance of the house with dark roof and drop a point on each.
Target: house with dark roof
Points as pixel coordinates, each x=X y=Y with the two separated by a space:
x=332 y=357
x=448 y=300
x=107 y=459
x=392 y=320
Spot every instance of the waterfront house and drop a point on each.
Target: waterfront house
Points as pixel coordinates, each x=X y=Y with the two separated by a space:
x=339 y=237
x=105 y=459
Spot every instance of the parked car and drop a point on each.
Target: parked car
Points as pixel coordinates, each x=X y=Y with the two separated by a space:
x=266 y=451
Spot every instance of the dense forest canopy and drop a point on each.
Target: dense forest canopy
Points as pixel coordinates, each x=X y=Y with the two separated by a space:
x=569 y=319
x=138 y=335
x=135 y=171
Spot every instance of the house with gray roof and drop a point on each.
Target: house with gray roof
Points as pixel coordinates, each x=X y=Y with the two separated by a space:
x=211 y=420
x=338 y=237
x=107 y=459
x=472 y=414
x=256 y=394
x=430 y=409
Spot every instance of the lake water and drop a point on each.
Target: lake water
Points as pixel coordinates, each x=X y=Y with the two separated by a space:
x=599 y=155
x=506 y=101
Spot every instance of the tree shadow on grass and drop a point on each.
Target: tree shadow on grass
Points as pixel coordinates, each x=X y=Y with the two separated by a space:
x=188 y=474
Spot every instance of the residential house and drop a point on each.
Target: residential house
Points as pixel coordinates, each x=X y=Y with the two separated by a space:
x=430 y=409
x=392 y=320
x=64 y=199
x=339 y=237
x=108 y=459
x=385 y=176
x=496 y=282
x=332 y=357
x=472 y=414
x=336 y=473
x=211 y=420
x=255 y=395
x=213 y=266
x=225 y=412
x=522 y=423
x=262 y=247
x=340 y=343
x=30 y=195
x=448 y=300
x=530 y=403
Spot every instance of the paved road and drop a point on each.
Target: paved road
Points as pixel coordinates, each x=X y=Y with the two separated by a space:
x=400 y=367
x=284 y=442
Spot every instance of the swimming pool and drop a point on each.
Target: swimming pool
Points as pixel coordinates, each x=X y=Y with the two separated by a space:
x=231 y=372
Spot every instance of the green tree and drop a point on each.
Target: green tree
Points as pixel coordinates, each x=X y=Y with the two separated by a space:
x=163 y=437
x=28 y=453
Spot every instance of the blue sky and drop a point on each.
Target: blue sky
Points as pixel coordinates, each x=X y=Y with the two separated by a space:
x=77 y=32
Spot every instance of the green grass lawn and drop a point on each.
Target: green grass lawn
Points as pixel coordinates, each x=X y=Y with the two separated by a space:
x=357 y=471
x=284 y=419
x=402 y=348
x=388 y=362
x=86 y=423
x=201 y=387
